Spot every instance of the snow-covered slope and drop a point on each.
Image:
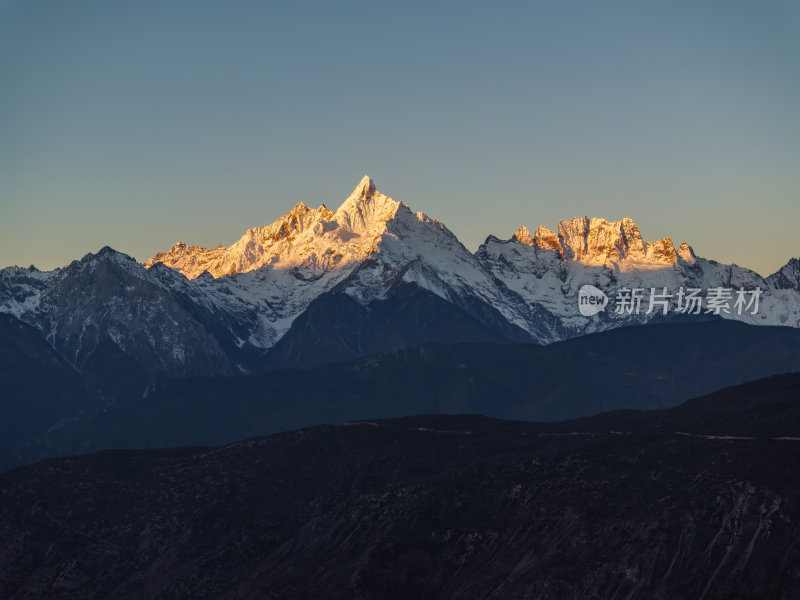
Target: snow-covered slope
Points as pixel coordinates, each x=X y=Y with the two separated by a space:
x=107 y=304
x=365 y=248
x=548 y=269
x=309 y=242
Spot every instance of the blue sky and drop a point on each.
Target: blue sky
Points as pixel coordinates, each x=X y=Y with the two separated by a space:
x=138 y=124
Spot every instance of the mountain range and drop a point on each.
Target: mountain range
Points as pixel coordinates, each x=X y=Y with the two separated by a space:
x=380 y=352
x=320 y=286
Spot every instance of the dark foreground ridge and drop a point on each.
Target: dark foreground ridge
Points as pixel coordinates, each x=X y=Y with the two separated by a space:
x=698 y=501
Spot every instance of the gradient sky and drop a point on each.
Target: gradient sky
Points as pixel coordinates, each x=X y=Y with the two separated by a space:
x=138 y=124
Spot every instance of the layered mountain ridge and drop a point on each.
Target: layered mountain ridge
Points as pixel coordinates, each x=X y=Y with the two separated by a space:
x=194 y=310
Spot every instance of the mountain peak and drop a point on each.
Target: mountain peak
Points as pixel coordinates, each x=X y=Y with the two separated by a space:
x=597 y=241
x=107 y=252
x=544 y=238
x=686 y=252
x=523 y=235
x=300 y=207
x=318 y=239
x=788 y=276
x=365 y=188
x=366 y=208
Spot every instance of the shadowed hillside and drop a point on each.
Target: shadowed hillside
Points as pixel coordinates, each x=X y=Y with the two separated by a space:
x=625 y=505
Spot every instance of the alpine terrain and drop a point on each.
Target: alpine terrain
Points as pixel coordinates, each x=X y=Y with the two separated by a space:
x=320 y=286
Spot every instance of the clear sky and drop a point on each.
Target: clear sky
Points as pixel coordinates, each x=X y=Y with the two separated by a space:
x=138 y=124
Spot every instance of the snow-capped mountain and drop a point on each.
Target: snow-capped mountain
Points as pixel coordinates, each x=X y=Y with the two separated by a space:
x=548 y=269
x=368 y=276
x=106 y=313
x=365 y=249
